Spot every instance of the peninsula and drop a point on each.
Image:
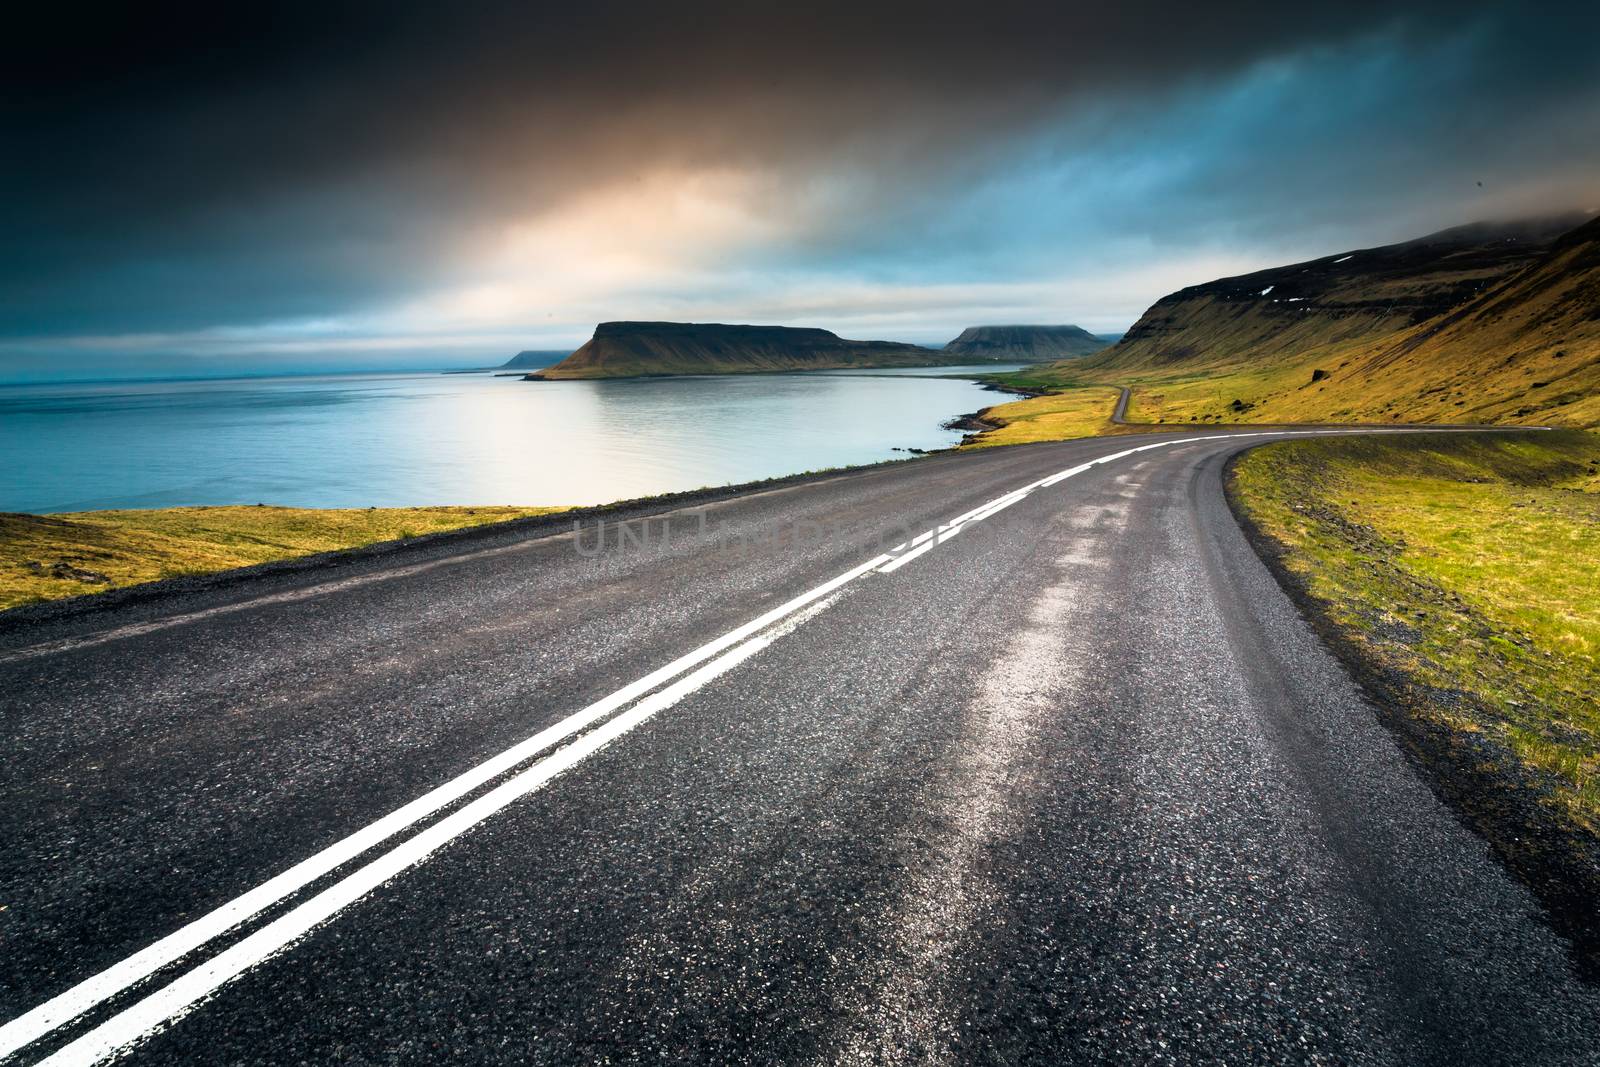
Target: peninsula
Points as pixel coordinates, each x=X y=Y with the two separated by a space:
x=641 y=349
x=1024 y=344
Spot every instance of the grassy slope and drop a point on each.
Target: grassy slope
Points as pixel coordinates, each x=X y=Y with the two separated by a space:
x=1528 y=350
x=47 y=557
x=1432 y=336
x=1079 y=412
x=1467 y=571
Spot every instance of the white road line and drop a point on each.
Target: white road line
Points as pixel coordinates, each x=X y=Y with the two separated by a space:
x=905 y=557
x=67 y=1006
x=173 y=1001
x=63 y=1008
x=924 y=542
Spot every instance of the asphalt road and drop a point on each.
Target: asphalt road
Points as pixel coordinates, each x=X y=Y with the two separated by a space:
x=1119 y=414
x=1073 y=784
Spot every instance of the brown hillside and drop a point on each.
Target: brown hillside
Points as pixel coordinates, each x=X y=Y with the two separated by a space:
x=1334 y=301
x=1527 y=350
x=1485 y=323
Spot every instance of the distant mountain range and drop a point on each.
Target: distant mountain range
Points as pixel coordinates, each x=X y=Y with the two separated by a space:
x=1487 y=322
x=639 y=349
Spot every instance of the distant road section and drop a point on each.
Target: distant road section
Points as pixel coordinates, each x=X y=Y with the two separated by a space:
x=1013 y=754
x=1119 y=414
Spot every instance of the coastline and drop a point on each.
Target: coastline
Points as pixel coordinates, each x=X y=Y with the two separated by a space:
x=486 y=534
x=96 y=555
x=354 y=442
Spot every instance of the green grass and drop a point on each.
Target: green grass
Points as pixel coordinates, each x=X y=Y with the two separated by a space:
x=1524 y=350
x=1082 y=412
x=1079 y=404
x=47 y=557
x=1190 y=397
x=1468 y=565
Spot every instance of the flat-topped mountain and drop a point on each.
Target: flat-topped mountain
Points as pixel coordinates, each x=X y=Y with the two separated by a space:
x=1024 y=344
x=639 y=349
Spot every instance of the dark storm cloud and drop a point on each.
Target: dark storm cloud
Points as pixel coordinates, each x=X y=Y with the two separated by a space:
x=172 y=167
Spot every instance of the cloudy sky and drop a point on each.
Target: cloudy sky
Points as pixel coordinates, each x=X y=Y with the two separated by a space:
x=215 y=188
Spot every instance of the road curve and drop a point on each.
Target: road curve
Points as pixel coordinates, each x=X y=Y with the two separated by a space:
x=1068 y=781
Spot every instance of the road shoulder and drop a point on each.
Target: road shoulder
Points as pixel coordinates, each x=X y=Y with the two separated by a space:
x=1496 y=793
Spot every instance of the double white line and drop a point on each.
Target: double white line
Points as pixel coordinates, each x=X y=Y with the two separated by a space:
x=647 y=696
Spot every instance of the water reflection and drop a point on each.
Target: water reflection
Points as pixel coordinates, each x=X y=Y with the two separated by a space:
x=388 y=440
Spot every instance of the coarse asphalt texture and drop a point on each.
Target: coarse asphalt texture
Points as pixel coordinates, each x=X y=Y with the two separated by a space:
x=1077 y=785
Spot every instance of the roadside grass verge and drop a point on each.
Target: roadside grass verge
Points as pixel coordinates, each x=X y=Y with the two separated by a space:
x=1323 y=385
x=1072 y=407
x=48 y=557
x=1460 y=574
x=1076 y=412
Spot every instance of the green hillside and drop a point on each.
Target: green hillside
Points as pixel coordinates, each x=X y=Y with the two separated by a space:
x=1485 y=323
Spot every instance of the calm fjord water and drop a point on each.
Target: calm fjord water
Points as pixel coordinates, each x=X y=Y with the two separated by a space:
x=395 y=440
